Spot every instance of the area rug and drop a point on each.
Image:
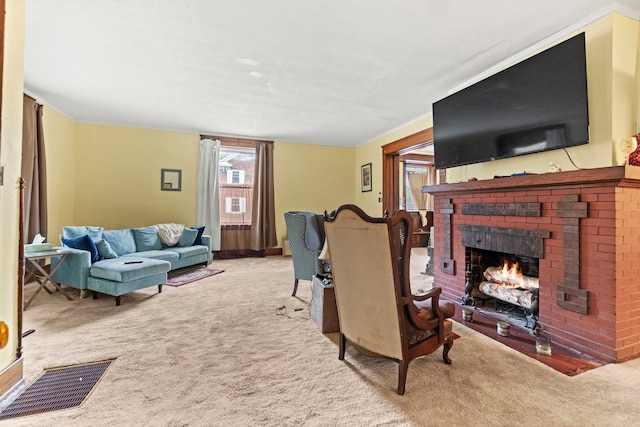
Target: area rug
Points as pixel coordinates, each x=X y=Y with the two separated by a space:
x=181 y=279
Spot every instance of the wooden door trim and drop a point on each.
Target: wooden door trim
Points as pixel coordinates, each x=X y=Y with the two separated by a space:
x=391 y=153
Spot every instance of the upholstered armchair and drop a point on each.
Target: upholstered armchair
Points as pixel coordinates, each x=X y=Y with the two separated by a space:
x=306 y=239
x=370 y=259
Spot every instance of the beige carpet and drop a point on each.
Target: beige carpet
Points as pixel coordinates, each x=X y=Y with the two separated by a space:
x=216 y=353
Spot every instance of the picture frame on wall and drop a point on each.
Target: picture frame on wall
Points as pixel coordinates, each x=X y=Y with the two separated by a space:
x=365 y=177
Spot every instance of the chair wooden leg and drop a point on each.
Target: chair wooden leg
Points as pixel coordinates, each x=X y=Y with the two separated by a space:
x=160 y=288
x=118 y=300
x=403 y=367
x=448 y=343
x=343 y=345
x=295 y=288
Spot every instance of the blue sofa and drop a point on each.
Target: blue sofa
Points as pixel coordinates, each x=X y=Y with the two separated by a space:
x=126 y=259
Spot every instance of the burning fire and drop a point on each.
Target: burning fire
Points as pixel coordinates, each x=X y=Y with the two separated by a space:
x=510 y=276
x=512 y=273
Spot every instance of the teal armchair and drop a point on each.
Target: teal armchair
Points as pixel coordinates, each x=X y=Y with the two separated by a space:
x=306 y=238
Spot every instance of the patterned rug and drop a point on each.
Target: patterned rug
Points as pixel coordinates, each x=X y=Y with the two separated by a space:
x=182 y=278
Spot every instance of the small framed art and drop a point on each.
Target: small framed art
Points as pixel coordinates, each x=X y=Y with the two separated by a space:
x=365 y=176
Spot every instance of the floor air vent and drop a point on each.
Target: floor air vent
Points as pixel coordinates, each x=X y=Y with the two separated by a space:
x=57 y=388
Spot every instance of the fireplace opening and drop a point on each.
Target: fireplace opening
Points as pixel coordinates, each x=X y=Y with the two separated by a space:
x=502 y=284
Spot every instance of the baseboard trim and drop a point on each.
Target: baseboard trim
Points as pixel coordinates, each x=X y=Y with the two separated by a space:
x=10 y=380
x=273 y=251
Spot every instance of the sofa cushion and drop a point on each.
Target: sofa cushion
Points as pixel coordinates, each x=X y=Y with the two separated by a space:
x=129 y=268
x=121 y=241
x=147 y=239
x=188 y=237
x=166 y=255
x=105 y=250
x=200 y=230
x=71 y=231
x=188 y=251
x=84 y=243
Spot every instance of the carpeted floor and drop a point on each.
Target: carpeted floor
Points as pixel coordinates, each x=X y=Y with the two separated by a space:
x=221 y=354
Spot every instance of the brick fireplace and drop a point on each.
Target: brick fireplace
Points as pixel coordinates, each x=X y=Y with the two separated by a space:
x=584 y=229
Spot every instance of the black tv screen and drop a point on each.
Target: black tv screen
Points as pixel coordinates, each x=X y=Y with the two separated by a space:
x=536 y=105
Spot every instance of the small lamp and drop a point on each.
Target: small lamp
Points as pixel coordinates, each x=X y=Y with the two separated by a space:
x=325 y=254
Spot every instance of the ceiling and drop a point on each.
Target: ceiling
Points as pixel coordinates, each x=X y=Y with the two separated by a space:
x=335 y=72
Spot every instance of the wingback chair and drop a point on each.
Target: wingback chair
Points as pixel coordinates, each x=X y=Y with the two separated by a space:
x=370 y=259
x=306 y=239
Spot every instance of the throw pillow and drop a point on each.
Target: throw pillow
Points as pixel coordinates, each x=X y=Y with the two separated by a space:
x=147 y=239
x=84 y=243
x=188 y=237
x=121 y=241
x=198 y=240
x=105 y=250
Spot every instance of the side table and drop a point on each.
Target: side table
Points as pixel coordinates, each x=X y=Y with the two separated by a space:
x=322 y=308
x=32 y=266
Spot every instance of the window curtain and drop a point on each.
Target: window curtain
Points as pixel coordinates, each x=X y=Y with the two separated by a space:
x=34 y=171
x=208 y=213
x=416 y=182
x=263 y=219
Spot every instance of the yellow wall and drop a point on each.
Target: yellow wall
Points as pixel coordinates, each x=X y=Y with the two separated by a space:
x=10 y=158
x=110 y=176
x=60 y=151
x=371 y=152
x=625 y=75
x=117 y=181
x=313 y=178
x=612 y=74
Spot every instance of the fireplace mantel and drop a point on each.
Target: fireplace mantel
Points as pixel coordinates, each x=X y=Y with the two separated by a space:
x=621 y=176
x=589 y=269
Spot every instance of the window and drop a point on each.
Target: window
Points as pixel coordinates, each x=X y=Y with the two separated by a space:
x=410 y=204
x=235 y=172
x=235 y=205
x=235 y=176
x=408 y=195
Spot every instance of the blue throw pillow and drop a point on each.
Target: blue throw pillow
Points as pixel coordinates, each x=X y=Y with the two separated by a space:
x=147 y=239
x=188 y=237
x=84 y=243
x=105 y=250
x=198 y=240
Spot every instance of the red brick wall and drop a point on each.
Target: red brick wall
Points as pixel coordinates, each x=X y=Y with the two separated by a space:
x=609 y=262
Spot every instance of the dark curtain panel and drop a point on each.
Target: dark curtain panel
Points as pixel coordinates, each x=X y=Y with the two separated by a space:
x=263 y=220
x=234 y=242
x=34 y=171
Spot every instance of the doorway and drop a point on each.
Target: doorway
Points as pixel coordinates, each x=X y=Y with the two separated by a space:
x=416 y=147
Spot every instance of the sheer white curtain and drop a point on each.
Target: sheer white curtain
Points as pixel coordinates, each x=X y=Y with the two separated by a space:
x=208 y=213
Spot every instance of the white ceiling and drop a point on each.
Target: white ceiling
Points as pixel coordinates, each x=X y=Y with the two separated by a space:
x=333 y=72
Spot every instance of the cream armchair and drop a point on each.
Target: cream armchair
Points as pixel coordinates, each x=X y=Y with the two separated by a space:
x=377 y=312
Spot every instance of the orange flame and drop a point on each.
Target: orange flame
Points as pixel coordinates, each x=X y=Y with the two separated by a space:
x=511 y=273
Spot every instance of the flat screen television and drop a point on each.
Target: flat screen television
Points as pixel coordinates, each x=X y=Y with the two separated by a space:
x=536 y=105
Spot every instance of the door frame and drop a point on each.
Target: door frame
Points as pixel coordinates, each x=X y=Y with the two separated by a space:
x=391 y=153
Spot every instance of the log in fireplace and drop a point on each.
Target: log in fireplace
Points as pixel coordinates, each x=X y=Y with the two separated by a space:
x=582 y=227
